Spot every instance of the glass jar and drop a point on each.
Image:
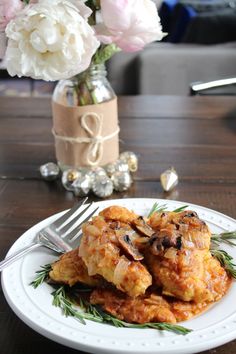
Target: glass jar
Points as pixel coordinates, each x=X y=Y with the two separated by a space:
x=85 y=120
x=87 y=88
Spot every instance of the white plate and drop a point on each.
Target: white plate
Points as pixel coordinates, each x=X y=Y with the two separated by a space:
x=213 y=328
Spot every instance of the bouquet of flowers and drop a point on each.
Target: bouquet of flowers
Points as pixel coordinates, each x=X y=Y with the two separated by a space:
x=70 y=40
x=57 y=39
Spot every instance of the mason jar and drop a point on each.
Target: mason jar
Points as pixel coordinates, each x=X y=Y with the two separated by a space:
x=87 y=88
x=85 y=120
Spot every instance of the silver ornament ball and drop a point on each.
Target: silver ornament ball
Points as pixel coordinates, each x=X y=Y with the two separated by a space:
x=98 y=171
x=110 y=168
x=118 y=165
x=122 y=166
x=93 y=172
x=131 y=159
x=102 y=186
x=68 y=178
x=49 y=171
x=121 y=181
x=81 y=186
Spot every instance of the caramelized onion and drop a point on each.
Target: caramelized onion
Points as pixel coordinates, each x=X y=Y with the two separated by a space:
x=120 y=270
x=171 y=253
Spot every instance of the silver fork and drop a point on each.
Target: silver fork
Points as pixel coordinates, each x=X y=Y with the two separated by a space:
x=61 y=236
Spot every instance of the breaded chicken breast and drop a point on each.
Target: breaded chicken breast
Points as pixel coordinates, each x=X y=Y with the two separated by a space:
x=102 y=250
x=143 y=309
x=179 y=259
x=118 y=213
x=147 y=308
x=71 y=269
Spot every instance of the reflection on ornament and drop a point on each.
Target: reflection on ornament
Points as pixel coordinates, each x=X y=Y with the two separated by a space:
x=122 y=166
x=169 y=179
x=93 y=172
x=121 y=181
x=81 y=186
x=49 y=171
x=110 y=168
x=68 y=177
x=97 y=171
x=102 y=186
x=131 y=159
x=117 y=166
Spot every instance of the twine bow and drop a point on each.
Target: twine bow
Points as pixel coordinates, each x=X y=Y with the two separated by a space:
x=95 y=139
x=95 y=149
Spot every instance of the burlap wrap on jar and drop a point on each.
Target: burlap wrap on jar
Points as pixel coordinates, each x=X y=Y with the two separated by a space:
x=86 y=135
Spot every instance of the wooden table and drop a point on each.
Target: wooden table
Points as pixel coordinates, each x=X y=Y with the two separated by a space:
x=196 y=135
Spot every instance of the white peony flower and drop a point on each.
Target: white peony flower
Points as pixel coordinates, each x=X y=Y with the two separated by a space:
x=84 y=10
x=50 y=40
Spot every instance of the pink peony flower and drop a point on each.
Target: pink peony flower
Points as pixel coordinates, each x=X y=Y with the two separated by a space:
x=130 y=24
x=8 y=10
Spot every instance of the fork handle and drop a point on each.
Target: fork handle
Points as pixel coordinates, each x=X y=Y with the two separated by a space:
x=9 y=260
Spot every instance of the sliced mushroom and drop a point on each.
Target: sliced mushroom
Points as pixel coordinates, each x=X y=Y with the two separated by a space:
x=125 y=240
x=160 y=243
x=115 y=224
x=143 y=227
x=190 y=214
x=178 y=243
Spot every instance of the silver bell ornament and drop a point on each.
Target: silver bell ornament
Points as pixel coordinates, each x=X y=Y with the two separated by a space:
x=68 y=178
x=169 y=179
x=81 y=186
x=102 y=186
x=49 y=171
x=131 y=159
x=121 y=181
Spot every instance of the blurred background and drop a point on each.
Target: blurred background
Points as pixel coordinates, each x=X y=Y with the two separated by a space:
x=200 y=46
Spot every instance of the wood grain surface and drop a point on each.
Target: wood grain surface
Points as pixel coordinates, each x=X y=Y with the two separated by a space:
x=196 y=135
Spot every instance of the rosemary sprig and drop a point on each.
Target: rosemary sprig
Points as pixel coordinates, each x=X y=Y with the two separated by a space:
x=155 y=325
x=178 y=210
x=61 y=300
x=95 y=313
x=225 y=260
x=156 y=208
x=225 y=237
x=42 y=275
